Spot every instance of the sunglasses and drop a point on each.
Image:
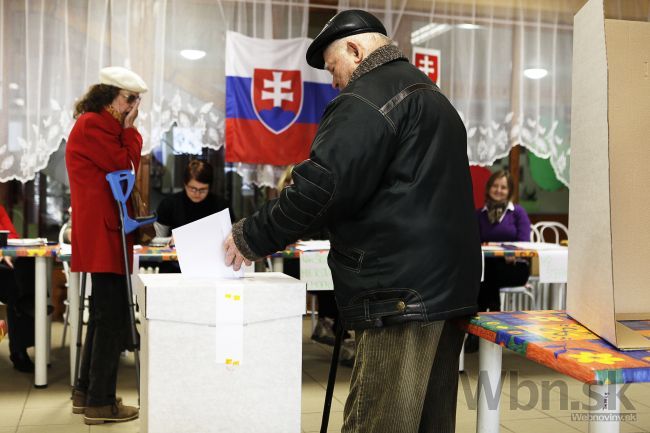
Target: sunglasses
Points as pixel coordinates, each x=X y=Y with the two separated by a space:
x=130 y=97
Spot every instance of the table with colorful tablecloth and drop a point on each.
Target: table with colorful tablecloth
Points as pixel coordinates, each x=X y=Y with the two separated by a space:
x=43 y=256
x=156 y=254
x=555 y=340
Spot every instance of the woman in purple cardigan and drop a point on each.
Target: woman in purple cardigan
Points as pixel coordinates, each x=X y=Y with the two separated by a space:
x=501 y=221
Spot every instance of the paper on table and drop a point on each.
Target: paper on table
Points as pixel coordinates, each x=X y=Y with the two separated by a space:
x=313 y=245
x=199 y=247
x=27 y=242
x=229 y=326
x=537 y=246
x=491 y=248
x=553 y=260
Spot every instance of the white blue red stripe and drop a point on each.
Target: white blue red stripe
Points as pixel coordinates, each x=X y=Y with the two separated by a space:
x=274 y=100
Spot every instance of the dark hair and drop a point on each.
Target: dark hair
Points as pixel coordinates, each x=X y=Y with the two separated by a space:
x=498 y=175
x=96 y=98
x=198 y=170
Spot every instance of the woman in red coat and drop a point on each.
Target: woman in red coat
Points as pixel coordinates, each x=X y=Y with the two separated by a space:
x=103 y=139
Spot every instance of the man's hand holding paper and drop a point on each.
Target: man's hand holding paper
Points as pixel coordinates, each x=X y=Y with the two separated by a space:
x=234 y=257
x=199 y=246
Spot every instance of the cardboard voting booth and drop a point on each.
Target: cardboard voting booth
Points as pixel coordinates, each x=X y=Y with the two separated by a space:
x=609 y=276
x=187 y=388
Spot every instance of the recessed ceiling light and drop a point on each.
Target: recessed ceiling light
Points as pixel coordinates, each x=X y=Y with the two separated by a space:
x=13 y=86
x=19 y=101
x=427 y=32
x=193 y=54
x=535 y=73
x=468 y=26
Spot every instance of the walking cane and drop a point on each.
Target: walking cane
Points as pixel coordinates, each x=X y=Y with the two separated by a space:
x=332 y=377
x=80 y=323
x=127 y=225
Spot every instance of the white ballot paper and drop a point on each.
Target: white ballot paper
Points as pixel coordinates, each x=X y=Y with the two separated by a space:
x=199 y=247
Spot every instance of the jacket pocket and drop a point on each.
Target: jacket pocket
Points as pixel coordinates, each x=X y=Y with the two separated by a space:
x=349 y=258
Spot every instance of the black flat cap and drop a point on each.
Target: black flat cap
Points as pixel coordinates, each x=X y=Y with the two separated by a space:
x=346 y=23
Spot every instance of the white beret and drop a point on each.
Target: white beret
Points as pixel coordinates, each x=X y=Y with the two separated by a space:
x=123 y=78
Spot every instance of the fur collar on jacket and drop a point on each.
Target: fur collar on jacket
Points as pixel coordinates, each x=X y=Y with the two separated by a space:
x=380 y=56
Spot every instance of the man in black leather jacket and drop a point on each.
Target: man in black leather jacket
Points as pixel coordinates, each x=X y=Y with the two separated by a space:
x=388 y=176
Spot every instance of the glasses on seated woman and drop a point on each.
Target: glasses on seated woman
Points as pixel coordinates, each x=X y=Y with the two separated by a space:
x=192 y=189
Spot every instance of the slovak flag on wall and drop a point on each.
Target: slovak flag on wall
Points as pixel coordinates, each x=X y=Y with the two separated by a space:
x=274 y=100
x=428 y=61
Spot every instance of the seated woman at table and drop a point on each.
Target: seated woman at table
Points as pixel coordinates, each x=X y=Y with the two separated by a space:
x=17 y=292
x=501 y=221
x=192 y=203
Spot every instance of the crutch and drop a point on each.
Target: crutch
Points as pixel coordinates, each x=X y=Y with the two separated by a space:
x=332 y=376
x=121 y=183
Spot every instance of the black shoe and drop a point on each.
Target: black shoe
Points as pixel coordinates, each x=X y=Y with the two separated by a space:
x=22 y=362
x=349 y=362
x=348 y=352
x=128 y=345
x=324 y=331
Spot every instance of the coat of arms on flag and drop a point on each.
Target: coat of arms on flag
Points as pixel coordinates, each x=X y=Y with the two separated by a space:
x=274 y=100
x=277 y=98
x=428 y=61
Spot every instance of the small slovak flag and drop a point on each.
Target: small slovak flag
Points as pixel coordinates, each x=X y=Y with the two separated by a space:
x=428 y=61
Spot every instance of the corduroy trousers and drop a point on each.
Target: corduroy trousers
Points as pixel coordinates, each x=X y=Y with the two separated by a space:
x=405 y=379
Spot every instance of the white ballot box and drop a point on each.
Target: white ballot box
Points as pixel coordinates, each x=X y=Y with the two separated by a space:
x=186 y=384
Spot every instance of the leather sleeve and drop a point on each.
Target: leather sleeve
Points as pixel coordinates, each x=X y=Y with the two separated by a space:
x=352 y=148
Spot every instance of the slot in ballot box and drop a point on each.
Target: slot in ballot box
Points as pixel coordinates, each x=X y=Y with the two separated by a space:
x=184 y=387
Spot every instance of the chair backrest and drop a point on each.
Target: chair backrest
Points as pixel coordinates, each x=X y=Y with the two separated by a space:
x=64 y=227
x=551 y=231
x=66 y=265
x=534 y=234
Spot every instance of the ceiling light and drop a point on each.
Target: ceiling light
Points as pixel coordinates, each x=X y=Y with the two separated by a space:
x=535 y=73
x=19 y=101
x=13 y=86
x=428 y=32
x=193 y=54
x=468 y=26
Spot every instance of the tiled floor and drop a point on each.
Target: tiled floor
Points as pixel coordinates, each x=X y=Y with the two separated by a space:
x=526 y=406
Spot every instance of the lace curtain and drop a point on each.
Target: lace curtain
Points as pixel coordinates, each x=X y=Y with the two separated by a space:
x=51 y=51
x=489 y=57
x=486 y=61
